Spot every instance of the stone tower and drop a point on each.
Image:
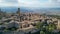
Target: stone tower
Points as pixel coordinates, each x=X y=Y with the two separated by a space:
x=18 y=16
x=18 y=12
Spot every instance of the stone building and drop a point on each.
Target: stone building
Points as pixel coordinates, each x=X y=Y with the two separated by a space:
x=58 y=26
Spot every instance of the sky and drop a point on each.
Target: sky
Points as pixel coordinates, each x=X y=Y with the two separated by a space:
x=8 y=3
x=30 y=3
x=39 y=3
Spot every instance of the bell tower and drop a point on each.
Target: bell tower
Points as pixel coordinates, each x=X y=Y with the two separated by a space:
x=18 y=12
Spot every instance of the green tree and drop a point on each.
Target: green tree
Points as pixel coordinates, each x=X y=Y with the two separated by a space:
x=45 y=28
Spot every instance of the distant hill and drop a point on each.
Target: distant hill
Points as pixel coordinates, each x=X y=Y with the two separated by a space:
x=25 y=10
x=14 y=9
x=54 y=11
x=9 y=9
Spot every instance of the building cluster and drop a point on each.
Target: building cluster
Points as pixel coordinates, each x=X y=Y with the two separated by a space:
x=25 y=21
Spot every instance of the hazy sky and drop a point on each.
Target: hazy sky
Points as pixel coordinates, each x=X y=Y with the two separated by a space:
x=39 y=3
x=8 y=3
x=30 y=3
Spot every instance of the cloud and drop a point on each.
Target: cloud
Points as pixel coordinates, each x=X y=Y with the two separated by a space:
x=8 y=3
x=30 y=3
x=39 y=3
x=0 y=1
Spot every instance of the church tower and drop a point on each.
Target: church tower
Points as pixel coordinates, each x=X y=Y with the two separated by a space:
x=19 y=17
x=18 y=12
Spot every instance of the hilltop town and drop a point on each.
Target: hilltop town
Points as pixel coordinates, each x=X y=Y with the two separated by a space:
x=27 y=21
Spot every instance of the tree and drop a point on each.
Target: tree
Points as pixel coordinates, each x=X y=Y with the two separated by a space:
x=45 y=29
